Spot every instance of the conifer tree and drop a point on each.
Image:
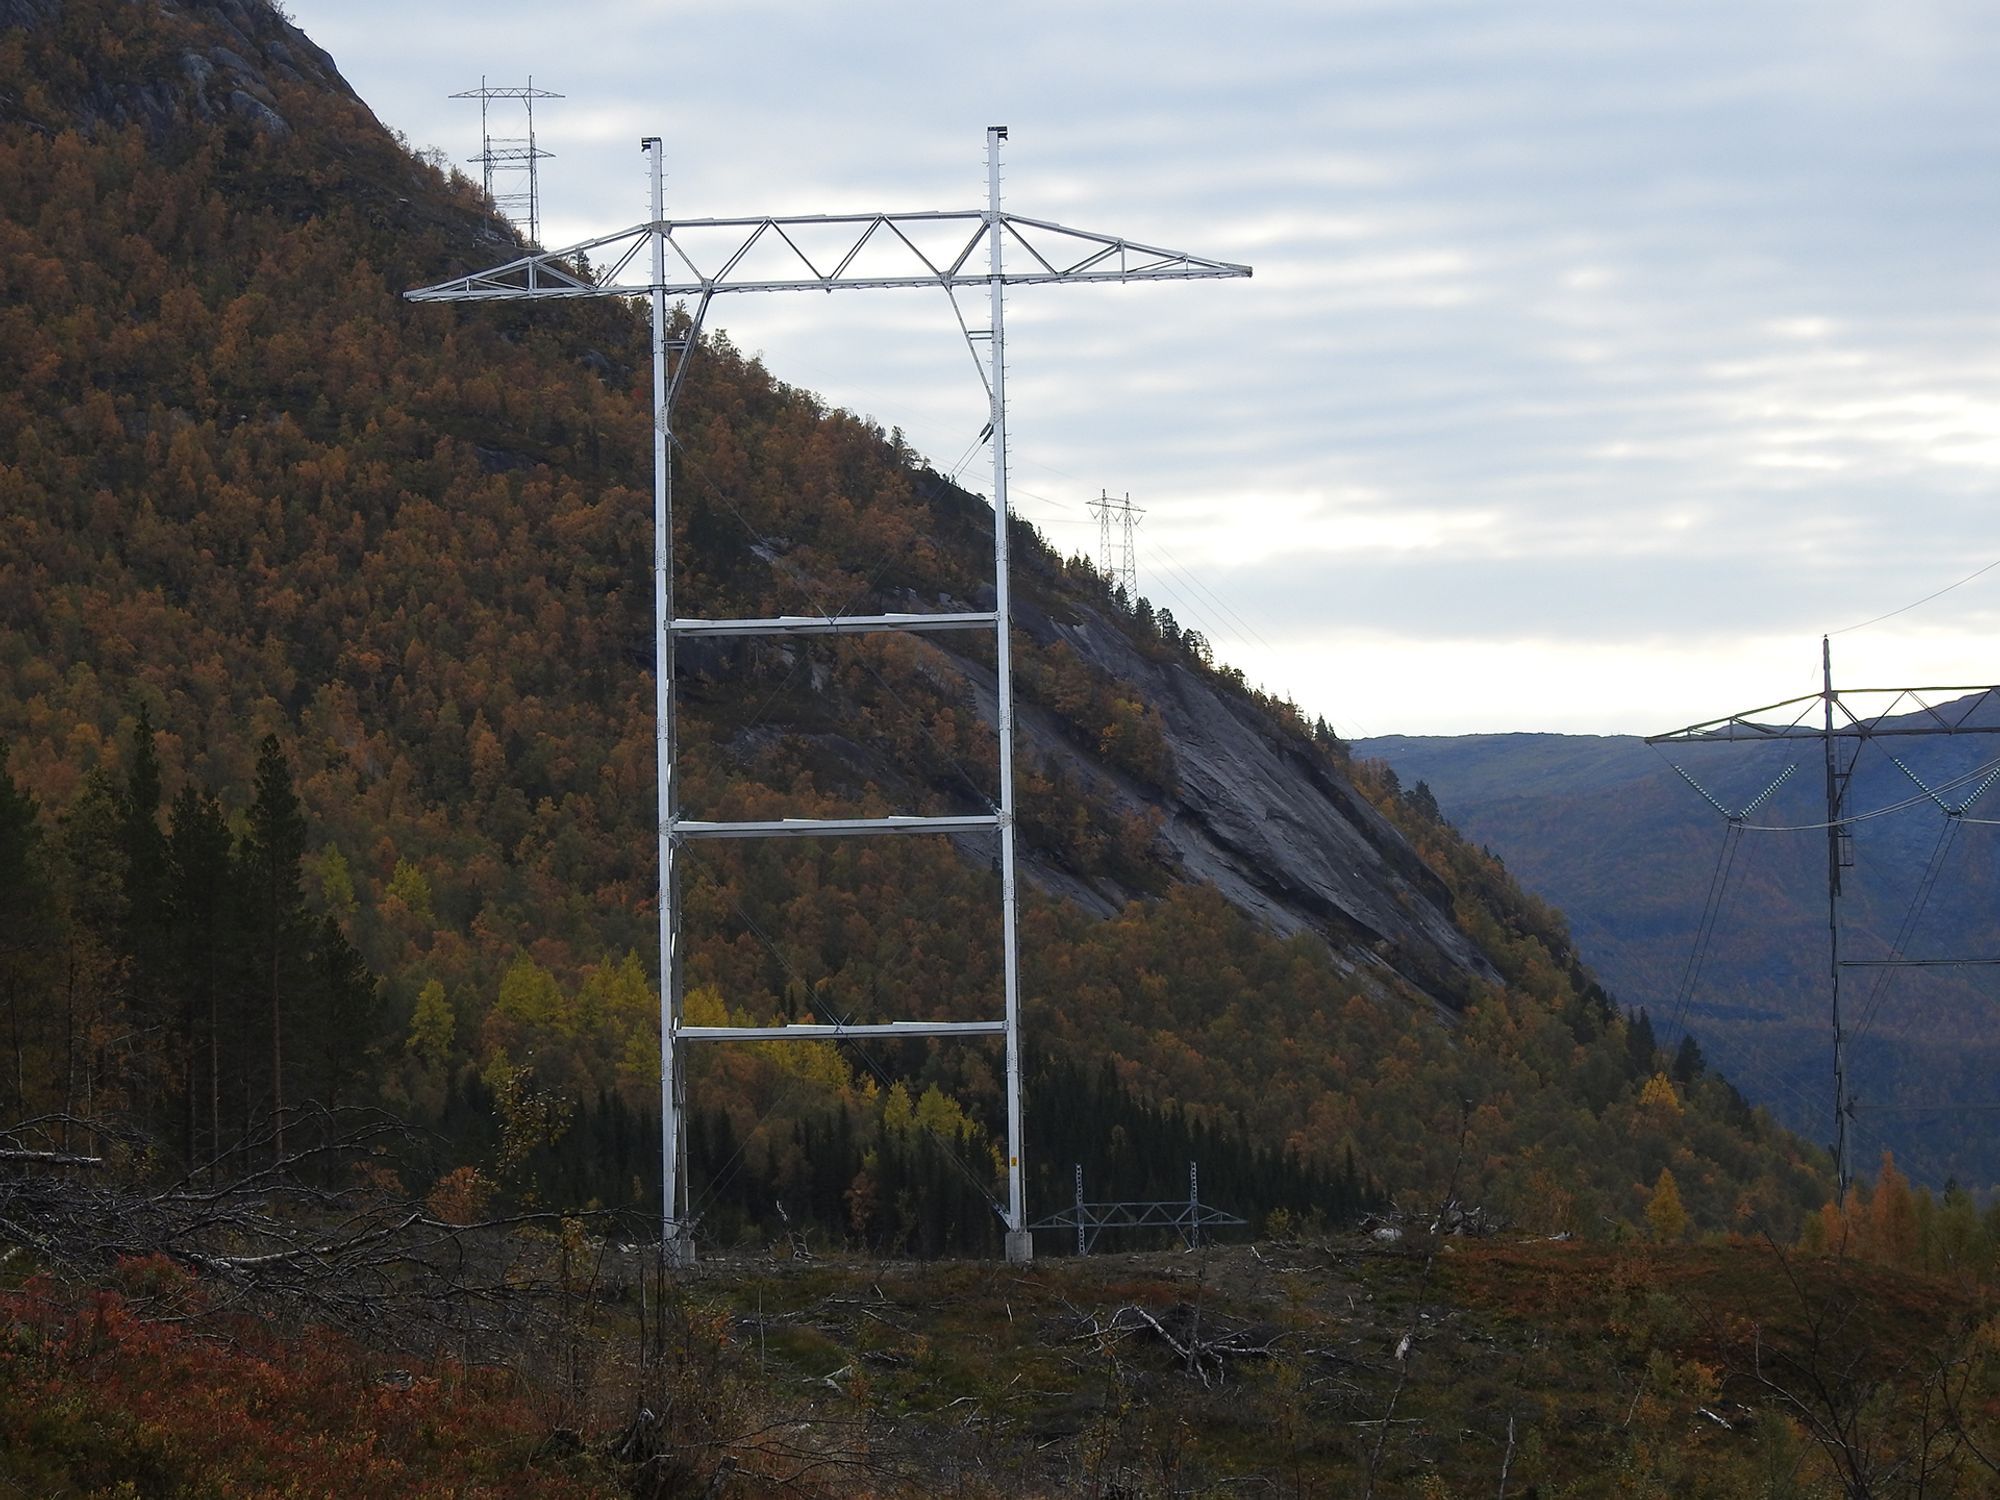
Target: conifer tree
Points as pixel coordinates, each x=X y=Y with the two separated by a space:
x=1423 y=802
x=272 y=848
x=348 y=1000
x=145 y=934
x=201 y=909
x=144 y=844
x=1688 y=1061
x=90 y=891
x=24 y=926
x=1640 y=1047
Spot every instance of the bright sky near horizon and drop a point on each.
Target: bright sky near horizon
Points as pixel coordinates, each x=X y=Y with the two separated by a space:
x=1598 y=359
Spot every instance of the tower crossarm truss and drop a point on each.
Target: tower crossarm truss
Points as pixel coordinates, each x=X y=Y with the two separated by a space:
x=825 y=253
x=505 y=91
x=985 y=249
x=1862 y=714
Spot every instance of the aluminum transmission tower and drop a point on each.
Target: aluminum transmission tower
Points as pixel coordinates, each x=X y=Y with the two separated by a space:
x=706 y=258
x=1121 y=567
x=1849 y=720
x=512 y=156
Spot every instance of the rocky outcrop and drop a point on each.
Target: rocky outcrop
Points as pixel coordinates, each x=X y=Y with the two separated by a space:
x=235 y=56
x=26 y=13
x=1268 y=822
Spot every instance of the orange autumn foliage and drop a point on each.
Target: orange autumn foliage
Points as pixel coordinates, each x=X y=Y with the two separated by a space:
x=99 y=1389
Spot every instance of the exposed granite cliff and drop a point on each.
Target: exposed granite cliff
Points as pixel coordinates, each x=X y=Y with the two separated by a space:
x=238 y=73
x=231 y=60
x=1269 y=823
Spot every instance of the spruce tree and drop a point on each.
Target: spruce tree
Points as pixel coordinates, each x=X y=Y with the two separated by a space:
x=25 y=927
x=1688 y=1061
x=200 y=911
x=1640 y=1047
x=1423 y=802
x=90 y=891
x=272 y=848
x=349 y=1000
x=145 y=937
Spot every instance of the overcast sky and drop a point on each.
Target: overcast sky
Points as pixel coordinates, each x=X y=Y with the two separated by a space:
x=1598 y=357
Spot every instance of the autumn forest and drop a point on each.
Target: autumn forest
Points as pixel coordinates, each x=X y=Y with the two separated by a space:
x=327 y=884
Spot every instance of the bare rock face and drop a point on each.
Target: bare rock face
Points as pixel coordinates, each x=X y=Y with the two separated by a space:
x=26 y=13
x=235 y=55
x=1272 y=825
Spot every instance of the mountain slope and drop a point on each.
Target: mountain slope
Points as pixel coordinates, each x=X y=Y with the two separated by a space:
x=1607 y=829
x=249 y=493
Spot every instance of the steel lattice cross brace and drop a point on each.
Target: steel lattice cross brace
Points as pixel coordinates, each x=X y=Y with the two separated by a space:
x=702 y=259
x=1187 y=1217
x=1853 y=716
x=1187 y=1220
x=1120 y=566
x=518 y=154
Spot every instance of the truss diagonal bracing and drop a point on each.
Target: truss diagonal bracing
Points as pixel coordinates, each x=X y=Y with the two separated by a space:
x=1187 y=1217
x=825 y=253
x=701 y=259
x=1858 y=714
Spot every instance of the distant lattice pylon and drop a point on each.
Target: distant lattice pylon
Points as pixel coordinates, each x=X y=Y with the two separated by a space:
x=1121 y=566
x=515 y=156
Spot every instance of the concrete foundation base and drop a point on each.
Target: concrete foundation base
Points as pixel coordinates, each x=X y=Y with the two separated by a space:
x=678 y=1253
x=1020 y=1247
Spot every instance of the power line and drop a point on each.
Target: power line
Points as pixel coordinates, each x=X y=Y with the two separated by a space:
x=1920 y=899
x=1981 y=573
x=1711 y=913
x=1928 y=1109
x=1220 y=603
x=1880 y=812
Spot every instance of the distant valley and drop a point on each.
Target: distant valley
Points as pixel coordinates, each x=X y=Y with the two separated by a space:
x=1606 y=829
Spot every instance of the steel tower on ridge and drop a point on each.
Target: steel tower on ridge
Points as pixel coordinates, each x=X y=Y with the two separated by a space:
x=517 y=156
x=701 y=259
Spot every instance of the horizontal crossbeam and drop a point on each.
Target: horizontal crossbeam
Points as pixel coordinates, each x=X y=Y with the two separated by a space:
x=1736 y=731
x=791 y=828
x=1172 y=1214
x=825 y=253
x=1915 y=716
x=809 y=1032
x=836 y=624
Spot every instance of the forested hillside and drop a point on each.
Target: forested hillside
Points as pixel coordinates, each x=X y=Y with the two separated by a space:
x=325 y=685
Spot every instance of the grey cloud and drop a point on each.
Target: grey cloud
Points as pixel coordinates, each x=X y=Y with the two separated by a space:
x=1659 y=316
